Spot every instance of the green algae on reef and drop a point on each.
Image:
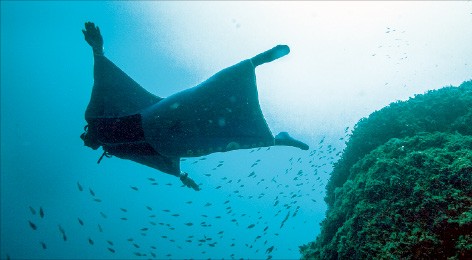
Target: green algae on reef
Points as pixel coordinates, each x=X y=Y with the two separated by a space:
x=403 y=188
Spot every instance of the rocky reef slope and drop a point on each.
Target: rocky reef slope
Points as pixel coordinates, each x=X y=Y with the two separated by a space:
x=403 y=187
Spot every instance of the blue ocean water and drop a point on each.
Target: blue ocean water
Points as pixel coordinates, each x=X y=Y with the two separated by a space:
x=57 y=203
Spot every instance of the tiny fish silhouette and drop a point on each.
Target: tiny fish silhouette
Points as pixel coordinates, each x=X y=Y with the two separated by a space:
x=41 y=212
x=61 y=229
x=32 y=225
x=285 y=219
x=80 y=187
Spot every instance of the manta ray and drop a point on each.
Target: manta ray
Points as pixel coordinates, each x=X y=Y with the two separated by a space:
x=220 y=114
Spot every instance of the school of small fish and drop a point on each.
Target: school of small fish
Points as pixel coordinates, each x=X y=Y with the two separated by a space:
x=285 y=204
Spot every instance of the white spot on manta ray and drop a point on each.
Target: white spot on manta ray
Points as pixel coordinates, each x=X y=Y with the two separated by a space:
x=221 y=121
x=175 y=105
x=233 y=146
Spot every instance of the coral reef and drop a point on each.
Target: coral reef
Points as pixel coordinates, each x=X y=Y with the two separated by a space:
x=403 y=187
